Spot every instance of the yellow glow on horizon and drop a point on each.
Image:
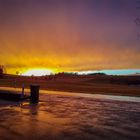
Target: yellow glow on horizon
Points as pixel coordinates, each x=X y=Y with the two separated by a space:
x=38 y=72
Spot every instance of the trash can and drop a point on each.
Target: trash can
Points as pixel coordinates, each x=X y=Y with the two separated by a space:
x=34 y=91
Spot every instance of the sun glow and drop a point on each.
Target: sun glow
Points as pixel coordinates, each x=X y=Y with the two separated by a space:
x=38 y=72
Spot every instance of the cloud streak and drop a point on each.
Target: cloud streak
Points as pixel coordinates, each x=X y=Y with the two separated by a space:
x=68 y=35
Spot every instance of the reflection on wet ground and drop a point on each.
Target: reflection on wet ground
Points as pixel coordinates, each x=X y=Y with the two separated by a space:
x=59 y=117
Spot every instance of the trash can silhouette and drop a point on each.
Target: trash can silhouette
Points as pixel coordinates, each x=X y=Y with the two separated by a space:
x=34 y=91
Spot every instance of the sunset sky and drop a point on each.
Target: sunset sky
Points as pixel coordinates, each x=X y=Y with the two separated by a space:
x=69 y=35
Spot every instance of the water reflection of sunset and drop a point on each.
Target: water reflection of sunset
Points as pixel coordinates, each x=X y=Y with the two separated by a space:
x=63 y=117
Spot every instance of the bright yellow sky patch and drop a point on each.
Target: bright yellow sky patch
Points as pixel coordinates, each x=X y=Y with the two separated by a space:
x=38 y=72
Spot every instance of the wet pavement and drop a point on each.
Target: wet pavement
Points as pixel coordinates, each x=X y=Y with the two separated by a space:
x=70 y=117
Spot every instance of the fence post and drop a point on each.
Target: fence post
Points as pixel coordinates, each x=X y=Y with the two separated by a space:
x=34 y=91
